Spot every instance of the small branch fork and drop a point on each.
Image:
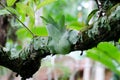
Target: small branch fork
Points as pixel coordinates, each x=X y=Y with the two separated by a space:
x=100 y=7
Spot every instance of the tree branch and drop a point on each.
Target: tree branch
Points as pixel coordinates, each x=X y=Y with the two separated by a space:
x=28 y=61
x=106 y=28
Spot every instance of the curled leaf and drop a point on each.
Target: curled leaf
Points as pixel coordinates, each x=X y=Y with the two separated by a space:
x=91 y=15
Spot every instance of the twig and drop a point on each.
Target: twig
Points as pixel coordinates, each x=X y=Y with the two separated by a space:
x=18 y=20
x=99 y=5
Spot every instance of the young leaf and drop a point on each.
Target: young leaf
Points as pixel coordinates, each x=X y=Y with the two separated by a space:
x=91 y=15
x=25 y=9
x=62 y=23
x=39 y=31
x=10 y=2
x=44 y=19
x=44 y=3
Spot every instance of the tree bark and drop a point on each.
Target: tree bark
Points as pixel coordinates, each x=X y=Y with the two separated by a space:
x=108 y=30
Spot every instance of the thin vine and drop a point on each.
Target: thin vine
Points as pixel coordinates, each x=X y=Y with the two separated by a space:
x=18 y=20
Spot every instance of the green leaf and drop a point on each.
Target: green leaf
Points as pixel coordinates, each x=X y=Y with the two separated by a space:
x=44 y=3
x=102 y=57
x=39 y=31
x=44 y=19
x=12 y=10
x=76 y=25
x=31 y=22
x=10 y=2
x=3 y=12
x=22 y=34
x=110 y=50
x=51 y=20
x=25 y=9
x=91 y=15
x=62 y=21
x=119 y=41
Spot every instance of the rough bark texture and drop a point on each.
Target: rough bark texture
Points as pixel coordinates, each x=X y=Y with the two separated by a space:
x=3 y=29
x=24 y=67
x=104 y=33
x=106 y=28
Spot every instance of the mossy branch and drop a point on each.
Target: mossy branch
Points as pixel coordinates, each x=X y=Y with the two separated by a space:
x=107 y=28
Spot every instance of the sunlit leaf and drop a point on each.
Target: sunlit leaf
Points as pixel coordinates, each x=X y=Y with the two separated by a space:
x=76 y=25
x=25 y=9
x=31 y=21
x=10 y=2
x=39 y=31
x=12 y=10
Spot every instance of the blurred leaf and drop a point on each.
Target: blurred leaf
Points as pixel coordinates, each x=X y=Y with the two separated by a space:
x=22 y=33
x=90 y=16
x=12 y=10
x=25 y=9
x=70 y=18
x=107 y=54
x=62 y=21
x=37 y=2
x=10 y=2
x=39 y=30
x=76 y=25
x=44 y=3
x=44 y=19
x=110 y=50
x=119 y=40
x=61 y=24
x=31 y=22
x=102 y=57
x=3 y=12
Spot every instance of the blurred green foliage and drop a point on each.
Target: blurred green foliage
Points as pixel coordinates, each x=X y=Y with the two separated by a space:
x=107 y=54
x=68 y=8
